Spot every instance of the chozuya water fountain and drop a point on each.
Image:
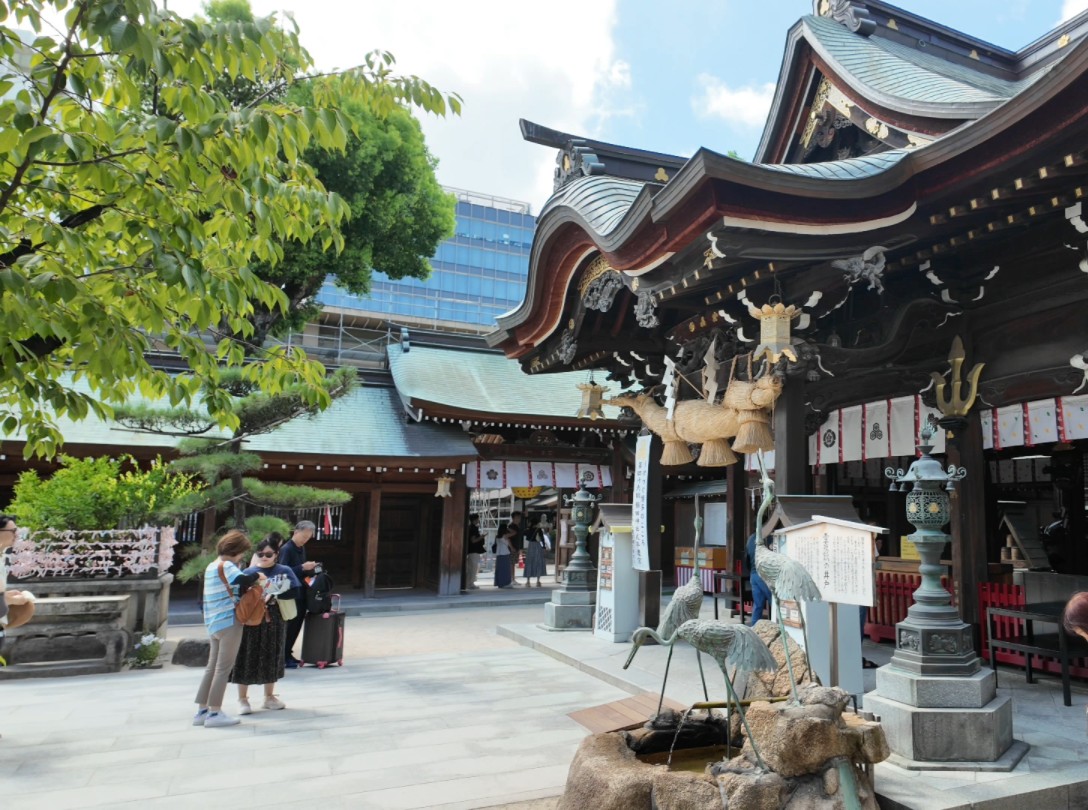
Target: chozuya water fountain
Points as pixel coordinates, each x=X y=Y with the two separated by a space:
x=796 y=748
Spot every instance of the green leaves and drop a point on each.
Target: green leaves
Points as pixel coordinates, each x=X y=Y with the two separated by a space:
x=140 y=178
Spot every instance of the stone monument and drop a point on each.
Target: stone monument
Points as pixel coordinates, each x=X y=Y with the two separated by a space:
x=939 y=708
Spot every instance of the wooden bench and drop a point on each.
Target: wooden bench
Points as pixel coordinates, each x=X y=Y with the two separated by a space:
x=1059 y=646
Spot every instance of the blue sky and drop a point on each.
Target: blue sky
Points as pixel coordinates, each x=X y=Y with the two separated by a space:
x=740 y=45
x=669 y=77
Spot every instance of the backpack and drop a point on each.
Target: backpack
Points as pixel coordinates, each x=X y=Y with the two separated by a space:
x=250 y=609
x=319 y=592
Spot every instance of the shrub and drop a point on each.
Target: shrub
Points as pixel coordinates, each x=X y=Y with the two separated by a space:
x=98 y=493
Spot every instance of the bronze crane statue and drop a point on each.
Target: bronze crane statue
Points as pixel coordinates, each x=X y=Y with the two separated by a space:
x=686 y=602
x=786 y=577
x=725 y=643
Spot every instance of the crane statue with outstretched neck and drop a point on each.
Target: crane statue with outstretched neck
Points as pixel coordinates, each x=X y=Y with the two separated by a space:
x=787 y=578
x=737 y=644
x=686 y=602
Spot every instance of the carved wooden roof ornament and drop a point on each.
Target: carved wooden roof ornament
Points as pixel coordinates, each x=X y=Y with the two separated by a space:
x=575 y=160
x=599 y=285
x=646 y=310
x=854 y=16
x=1080 y=362
x=869 y=266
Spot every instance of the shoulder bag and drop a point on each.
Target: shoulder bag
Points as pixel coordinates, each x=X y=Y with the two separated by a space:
x=250 y=608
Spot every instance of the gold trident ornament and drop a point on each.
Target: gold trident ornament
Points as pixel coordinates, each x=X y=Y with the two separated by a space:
x=957 y=404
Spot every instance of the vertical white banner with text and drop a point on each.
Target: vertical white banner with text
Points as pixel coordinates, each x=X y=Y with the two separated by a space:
x=640 y=552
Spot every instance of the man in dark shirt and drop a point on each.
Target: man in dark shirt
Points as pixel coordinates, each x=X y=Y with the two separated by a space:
x=293 y=555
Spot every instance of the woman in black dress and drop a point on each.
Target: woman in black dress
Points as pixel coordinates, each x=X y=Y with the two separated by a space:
x=260 y=658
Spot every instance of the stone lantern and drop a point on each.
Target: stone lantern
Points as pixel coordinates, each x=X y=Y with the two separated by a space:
x=932 y=640
x=572 y=605
x=936 y=703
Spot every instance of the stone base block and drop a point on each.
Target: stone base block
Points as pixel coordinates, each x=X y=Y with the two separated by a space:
x=945 y=735
x=928 y=691
x=568 y=617
x=1005 y=763
x=577 y=598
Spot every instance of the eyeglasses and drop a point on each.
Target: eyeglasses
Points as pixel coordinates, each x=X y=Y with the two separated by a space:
x=266 y=554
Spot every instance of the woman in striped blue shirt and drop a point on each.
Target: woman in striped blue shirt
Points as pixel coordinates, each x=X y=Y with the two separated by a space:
x=223 y=628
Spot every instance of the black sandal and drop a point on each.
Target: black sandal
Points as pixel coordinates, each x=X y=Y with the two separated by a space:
x=867 y=664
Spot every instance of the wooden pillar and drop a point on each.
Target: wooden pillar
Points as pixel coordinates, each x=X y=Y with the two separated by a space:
x=452 y=555
x=969 y=563
x=654 y=498
x=735 y=476
x=790 y=442
x=621 y=493
x=358 y=536
x=372 y=525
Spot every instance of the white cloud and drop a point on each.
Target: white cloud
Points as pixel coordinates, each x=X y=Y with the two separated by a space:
x=507 y=60
x=1071 y=8
x=741 y=106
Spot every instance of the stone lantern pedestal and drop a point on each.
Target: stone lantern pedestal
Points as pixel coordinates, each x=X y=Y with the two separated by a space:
x=939 y=708
x=572 y=605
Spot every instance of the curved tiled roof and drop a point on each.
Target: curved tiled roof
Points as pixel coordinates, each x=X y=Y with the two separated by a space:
x=907 y=74
x=850 y=169
x=485 y=382
x=601 y=201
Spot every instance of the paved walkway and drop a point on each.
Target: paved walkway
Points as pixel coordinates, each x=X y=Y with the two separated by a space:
x=433 y=709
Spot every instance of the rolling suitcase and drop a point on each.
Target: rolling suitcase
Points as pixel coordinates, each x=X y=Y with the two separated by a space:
x=323 y=637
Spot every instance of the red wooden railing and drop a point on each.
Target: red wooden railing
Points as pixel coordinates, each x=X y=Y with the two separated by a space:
x=893 y=597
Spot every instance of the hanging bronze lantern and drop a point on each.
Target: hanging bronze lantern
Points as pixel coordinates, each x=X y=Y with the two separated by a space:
x=443 y=490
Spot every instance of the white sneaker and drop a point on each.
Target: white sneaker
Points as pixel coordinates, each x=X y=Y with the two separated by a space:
x=217 y=719
x=244 y=707
x=200 y=717
x=273 y=702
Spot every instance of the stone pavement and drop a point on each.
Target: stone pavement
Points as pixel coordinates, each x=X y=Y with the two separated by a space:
x=433 y=709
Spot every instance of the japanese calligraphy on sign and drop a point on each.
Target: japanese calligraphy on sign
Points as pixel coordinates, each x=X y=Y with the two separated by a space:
x=837 y=553
x=640 y=551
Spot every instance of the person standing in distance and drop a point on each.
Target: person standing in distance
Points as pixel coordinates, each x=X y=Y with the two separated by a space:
x=293 y=555
x=475 y=551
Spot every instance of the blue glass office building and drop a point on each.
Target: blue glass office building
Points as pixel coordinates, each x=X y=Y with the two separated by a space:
x=479 y=273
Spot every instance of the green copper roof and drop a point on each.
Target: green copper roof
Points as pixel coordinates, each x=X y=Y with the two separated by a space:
x=368 y=422
x=486 y=383
x=908 y=74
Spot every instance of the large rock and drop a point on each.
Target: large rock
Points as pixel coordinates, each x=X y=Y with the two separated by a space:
x=777 y=683
x=815 y=754
x=819 y=752
x=606 y=775
x=192 y=652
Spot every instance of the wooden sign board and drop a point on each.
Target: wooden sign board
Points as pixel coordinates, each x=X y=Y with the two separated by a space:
x=837 y=553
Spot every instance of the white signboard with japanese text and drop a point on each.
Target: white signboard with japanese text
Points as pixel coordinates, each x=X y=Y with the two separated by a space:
x=640 y=551
x=839 y=556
